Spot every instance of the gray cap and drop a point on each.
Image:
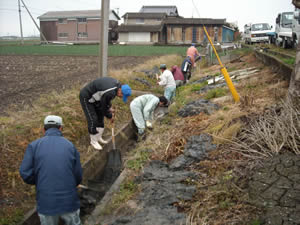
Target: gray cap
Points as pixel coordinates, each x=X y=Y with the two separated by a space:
x=162 y=66
x=52 y=119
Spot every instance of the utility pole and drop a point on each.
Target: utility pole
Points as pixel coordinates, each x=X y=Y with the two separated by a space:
x=21 y=30
x=103 y=38
x=35 y=22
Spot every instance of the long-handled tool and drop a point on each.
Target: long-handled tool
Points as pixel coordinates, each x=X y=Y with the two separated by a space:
x=114 y=160
x=117 y=158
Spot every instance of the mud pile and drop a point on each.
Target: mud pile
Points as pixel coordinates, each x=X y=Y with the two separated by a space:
x=195 y=150
x=151 y=73
x=161 y=189
x=197 y=107
x=203 y=79
x=276 y=187
x=143 y=81
x=210 y=87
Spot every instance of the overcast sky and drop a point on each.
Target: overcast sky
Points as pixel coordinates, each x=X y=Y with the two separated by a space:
x=239 y=11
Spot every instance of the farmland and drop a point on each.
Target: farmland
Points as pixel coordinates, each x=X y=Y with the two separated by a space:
x=91 y=50
x=25 y=78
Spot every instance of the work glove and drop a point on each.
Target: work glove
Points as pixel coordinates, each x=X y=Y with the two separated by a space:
x=148 y=124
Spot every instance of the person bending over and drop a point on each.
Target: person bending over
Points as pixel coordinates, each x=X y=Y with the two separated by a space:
x=95 y=99
x=142 y=110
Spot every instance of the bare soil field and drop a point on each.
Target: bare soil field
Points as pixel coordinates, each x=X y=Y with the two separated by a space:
x=24 y=78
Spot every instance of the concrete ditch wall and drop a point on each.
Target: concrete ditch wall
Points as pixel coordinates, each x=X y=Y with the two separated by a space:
x=283 y=69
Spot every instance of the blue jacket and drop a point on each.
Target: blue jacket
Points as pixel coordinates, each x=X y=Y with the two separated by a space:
x=52 y=163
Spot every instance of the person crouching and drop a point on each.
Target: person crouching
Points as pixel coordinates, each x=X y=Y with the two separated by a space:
x=142 y=109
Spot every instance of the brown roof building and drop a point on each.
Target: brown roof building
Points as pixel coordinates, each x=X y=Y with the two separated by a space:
x=163 y=25
x=76 y=26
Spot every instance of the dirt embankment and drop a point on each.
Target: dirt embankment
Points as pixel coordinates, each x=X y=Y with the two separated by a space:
x=24 y=78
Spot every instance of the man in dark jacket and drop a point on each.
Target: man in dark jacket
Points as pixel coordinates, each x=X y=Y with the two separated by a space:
x=95 y=99
x=52 y=164
x=186 y=68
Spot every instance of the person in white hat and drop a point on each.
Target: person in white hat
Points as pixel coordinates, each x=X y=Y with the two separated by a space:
x=52 y=164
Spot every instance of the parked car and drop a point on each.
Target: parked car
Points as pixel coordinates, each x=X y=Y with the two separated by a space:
x=283 y=29
x=256 y=33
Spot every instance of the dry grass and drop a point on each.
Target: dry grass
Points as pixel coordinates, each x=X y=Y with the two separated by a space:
x=22 y=127
x=221 y=197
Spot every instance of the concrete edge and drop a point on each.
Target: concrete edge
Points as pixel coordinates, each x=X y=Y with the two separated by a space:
x=283 y=69
x=95 y=217
x=96 y=161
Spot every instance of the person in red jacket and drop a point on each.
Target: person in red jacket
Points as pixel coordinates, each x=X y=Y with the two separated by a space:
x=178 y=75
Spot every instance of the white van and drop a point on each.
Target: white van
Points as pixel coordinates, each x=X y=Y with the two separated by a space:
x=256 y=33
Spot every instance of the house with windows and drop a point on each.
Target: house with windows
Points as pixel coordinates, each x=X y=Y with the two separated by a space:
x=142 y=28
x=77 y=26
x=145 y=26
x=164 y=25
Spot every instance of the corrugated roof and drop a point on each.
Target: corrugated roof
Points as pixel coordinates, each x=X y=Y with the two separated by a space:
x=145 y=15
x=171 y=10
x=194 y=21
x=74 y=14
x=139 y=28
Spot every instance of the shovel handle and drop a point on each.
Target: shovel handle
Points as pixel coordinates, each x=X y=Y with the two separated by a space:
x=113 y=138
x=113 y=131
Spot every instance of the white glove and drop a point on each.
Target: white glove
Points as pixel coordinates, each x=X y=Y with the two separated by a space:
x=148 y=124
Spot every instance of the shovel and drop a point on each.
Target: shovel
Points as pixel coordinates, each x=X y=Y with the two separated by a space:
x=114 y=161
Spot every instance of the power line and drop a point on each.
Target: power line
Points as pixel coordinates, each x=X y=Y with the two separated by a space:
x=196 y=8
x=16 y=10
x=8 y=9
x=37 y=8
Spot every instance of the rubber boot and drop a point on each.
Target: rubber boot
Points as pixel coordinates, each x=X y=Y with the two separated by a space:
x=100 y=133
x=94 y=141
x=141 y=135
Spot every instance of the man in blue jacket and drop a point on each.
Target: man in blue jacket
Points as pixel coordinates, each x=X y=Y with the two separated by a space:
x=52 y=164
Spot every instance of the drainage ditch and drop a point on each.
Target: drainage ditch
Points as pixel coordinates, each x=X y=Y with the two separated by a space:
x=100 y=171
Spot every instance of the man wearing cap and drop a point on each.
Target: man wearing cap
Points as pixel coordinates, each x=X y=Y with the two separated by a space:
x=95 y=99
x=167 y=80
x=52 y=164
